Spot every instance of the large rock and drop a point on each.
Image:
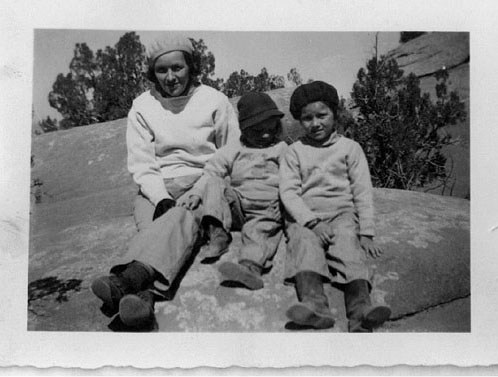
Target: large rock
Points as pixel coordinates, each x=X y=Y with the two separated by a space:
x=83 y=220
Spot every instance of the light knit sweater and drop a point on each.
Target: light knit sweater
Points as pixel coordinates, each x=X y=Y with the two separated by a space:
x=174 y=137
x=253 y=172
x=322 y=181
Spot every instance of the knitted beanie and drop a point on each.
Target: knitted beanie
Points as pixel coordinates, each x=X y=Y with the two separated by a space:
x=313 y=92
x=171 y=43
x=256 y=107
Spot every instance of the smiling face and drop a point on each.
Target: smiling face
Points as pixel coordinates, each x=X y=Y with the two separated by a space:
x=172 y=73
x=318 y=121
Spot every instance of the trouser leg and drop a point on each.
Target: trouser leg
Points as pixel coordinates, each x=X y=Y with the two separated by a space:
x=143 y=210
x=220 y=207
x=221 y=202
x=347 y=261
x=345 y=257
x=304 y=252
x=261 y=234
x=166 y=244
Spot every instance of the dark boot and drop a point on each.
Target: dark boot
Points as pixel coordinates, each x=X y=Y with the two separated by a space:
x=313 y=308
x=111 y=289
x=137 y=311
x=362 y=315
x=246 y=272
x=219 y=242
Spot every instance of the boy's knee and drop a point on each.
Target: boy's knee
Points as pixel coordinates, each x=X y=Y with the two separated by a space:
x=214 y=182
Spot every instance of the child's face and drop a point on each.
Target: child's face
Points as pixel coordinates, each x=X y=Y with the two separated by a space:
x=317 y=119
x=262 y=134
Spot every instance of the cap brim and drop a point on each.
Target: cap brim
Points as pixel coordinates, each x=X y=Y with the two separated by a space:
x=260 y=117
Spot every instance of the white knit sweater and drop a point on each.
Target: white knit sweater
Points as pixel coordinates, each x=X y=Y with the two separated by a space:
x=322 y=181
x=174 y=137
x=253 y=172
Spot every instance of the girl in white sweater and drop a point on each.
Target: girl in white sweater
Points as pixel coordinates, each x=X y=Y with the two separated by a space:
x=173 y=129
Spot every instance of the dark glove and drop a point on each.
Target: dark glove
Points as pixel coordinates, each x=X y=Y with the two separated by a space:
x=162 y=207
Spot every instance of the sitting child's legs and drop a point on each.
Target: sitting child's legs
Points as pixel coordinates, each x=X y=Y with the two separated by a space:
x=261 y=236
x=347 y=260
x=306 y=267
x=221 y=210
x=218 y=239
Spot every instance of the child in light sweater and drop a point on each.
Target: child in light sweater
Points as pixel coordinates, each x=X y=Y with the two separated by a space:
x=251 y=203
x=326 y=190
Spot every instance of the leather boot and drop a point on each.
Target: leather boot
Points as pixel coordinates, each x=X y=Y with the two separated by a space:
x=313 y=307
x=362 y=315
x=111 y=289
x=219 y=242
x=137 y=311
x=246 y=272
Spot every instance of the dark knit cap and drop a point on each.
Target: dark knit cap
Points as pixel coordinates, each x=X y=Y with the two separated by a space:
x=313 y=92
x=256 y=107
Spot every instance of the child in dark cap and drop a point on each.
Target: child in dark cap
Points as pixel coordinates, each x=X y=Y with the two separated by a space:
x=251 y=201
x=326 y=189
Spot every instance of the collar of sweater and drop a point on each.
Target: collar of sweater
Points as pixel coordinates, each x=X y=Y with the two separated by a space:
x=334 y=137
x=174 y=104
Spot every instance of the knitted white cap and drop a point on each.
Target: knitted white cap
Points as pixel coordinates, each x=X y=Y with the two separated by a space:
x=171 y=43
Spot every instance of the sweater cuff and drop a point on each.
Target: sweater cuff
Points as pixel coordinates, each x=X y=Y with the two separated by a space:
x=306 y=218
x=157 y=198
x=367 y=229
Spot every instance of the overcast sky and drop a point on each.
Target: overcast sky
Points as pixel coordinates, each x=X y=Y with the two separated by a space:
x=334 y=57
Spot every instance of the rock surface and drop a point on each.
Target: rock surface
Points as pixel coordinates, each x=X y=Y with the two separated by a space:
x=83 y=220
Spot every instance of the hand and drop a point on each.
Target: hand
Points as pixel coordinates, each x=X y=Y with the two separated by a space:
x=370 y=247
x=192 y=202
x=162 y=207
x=324 y=232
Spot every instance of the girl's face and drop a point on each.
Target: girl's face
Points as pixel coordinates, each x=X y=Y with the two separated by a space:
x=172 y=73
x=262 y=134
x=317 y=119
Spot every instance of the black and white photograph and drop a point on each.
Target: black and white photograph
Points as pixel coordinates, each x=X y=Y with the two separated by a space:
x=122 y=149
x=213 y=188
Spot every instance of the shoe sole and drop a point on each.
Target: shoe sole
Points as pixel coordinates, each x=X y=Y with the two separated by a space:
x=134 y=312
x=208 y=256
x=233 y=272
x=103 y=291
x=376 y=317
x=304 y=316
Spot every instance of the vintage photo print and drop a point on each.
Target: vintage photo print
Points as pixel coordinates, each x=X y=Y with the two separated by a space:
x=232 y=191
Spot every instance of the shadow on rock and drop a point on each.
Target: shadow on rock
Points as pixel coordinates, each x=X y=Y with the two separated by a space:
x=232 y=284
x=48 y=286
x=296 y=327
x=117 y=325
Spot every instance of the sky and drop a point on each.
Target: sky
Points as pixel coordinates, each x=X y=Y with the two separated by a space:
x=334 y=57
